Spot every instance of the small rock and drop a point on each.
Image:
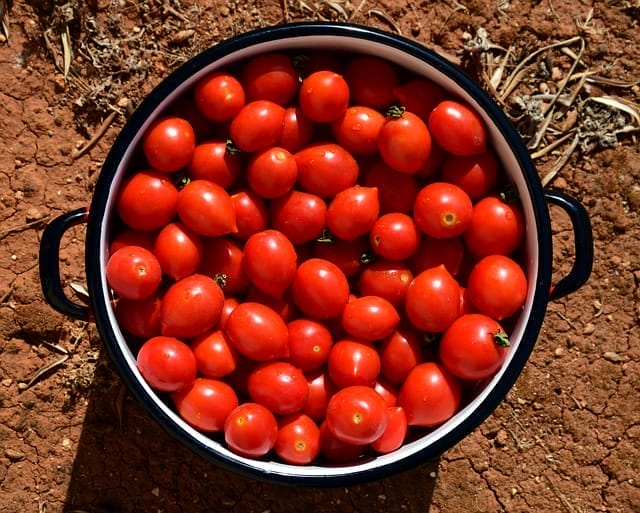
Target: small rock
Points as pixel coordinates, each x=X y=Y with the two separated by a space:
x=14 y=455
x=612 y=356
x=559 y=351
x=589 y=329
x=7 y=382
x=155 y=491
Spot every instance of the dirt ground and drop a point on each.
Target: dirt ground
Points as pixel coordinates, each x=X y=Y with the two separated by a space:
x=567 y=438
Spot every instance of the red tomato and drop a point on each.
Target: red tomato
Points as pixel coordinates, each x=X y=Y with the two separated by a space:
x=252 y=215
x=300 y=216
x=309 y=344
x=457 y=128
x=394 y=434
x=353 y=362
x=319 y=60
x=185 y=107
x=387 y=390
x=442 y=210
x=297 y=130
x=270 y=76
x=347 y=255
x=324 y=96
x=222 y=260
x=432 y=302
x=396 y=191
x=371 y=81
x=279 y=386
x=325 y=169
x=432 y=252
x=213 y=161
x=419 y=96
x=387 y=279
x=257 y=126
x=215 y=355
x=400 y=352
x=283 y=306
x=131 y=237
x=191 y=306
x=178 y=249
x=357 y=415
x=251 y=430
x=474 y=174
x=169 y=143
x=395 y=236
x=321 y=389
x=228 y=306
x=257 y=332
x=166 y=364
x=270 y=262
x=337 y=451
x=434 y=161
x=370 y=318
x=357 y=129
x=320 y=289
x=353 y=212
x=430 y=395
x=133 y=272
x=473 y=347
x=219 y=96
x=466 y=306
x=497 y=286
x=206 y=404
x=147 y=200
x=298 y=441
x=272 y=172
x=206 y=208
x=139 y=317
x=404 y=142
x=497 y=227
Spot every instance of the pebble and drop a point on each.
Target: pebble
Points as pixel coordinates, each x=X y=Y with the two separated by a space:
x=559 y=351
x=14 y=454
x=7 y=382
x=612 y=356
x=589 y=329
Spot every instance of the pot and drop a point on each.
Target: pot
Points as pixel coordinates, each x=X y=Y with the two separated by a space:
x=511 y=152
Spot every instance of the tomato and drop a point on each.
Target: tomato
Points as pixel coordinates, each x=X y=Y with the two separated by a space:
x=395 y=236
x=324 y=96
x=442 y=210
x=212 y=160
x=257 y=126
x=191 y=306
x=133 y=272
x=430 y=395
x=396 y=191
x=353 y=212
x=270 y=261
x=434 y=161
x=474 y=174
x=497 y=227
x=404 y=142
x=139 y=317
x=251 y=430
x=337 y=451
x=166 y=364
x=325 y=169
x=283 y=306
x=387 y=390
x=297 y=130
x=206 y=208
x=147 y=200
x=279 y=386
x=473 y=347
x=370 y=318
x=353 y=362
x=219 y=96
x=272 y=172
x=497 y=286
x=320 y=289
x=252 y=214
x=298 y=441
x=178 y=249
x=466 y=306
x=257 y=332
x=185 y=107
x=387 y=279
x=347 y=255
x=131 y=237
x=319 y=60
x=222 y=260
x=357 y=415
x=457 y=128
x=309 y=343
x=432 y=302
x=394 y=434
x=419 y=96
x=215 y=355
x=169 y=143
x=432 y=252
x=321 y=389
x=206 y=404
x=270 y=76
x=371 y=81
x=228 y=306
x=357 y=129
x=399 y=353
x=299 y=215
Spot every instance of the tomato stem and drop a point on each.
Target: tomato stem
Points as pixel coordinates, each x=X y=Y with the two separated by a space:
x=231 y=148
x=367 y=257
x=181 y=181
x=510 y=194
x=502 y=339
x=395 y=111
x=326 y=237
x=221 y=280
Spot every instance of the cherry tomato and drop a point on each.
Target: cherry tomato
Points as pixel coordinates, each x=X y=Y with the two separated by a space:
x=365 y=89
x=298 y=441
x=357 y=415
x=347 y=255
x=228 y=306
x=466 y=306
x=442 y=210
x=370 y=318
x=387 y=279
x=178 y=249
x=432 y=302
x=357 y=129
x=185 y=107
x=206 y=208
x=432 y=252
x=394 y=434
x=270 y=76
x=396 y=191
x=166 y=364
x=457 y=128
x=497 y=286
x=283 y=306
x=131 y=237
x=139 y=317
x=324 y=96
x=215 y=355
x=419 y=96
x=257 y=126
x=320 y=289
x=309 y=344
x=297 y=130
x=222 y=260
x=213 y=161
x=430 y=395
x=219 y=96
x=399 y=353
x=474 y=174
x=299 y=215
x=321 y=389
x=251 y=430
x=272 y=172
x=169 y=143
x=353 y=362
x=387 y=390
x=404 y=142
x=353 y=212
x=252 y=214
x=325 y=169
x=279 y=386
x=395 y=236
x=257 y=332
x=191 y=306
x=147 y=200
x=206 y=404
x=133 y=272
x=337 y=451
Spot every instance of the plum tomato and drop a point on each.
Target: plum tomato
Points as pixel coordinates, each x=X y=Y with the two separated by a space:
x=169 y=143
x=348 y=255
x=400 y=352
x=257 y=126
x=222 y=260
x=457 y=128
x=298 y=441
x=357 y=129
x=300 y=216
x=430 y=395
x=178 y=249
x=325 y=169
x=419 y=96
x=133 y=272
x=404 y=142
x=396 y=191
x=272 y=172
x=283 y=306
x=385 y=278
x=473 y=347
x=449 y=252
x=370 y=318
x=309 y=343
x=251 y=430
x=353 y=212
x=387 y=390
x=353 y=362
x=216 y=357
x=337 y=451
x=228 y=306
x=394 y=434
x=324 y=96
x=219 y=96
x=395 y=236
x=320 y=289
x=474 y=174
x=166 y=364
x=206 y=404
x=270 y=76
x=442 y=210
x=434 y=161
x=131 y=237
x=297 y=130
x=206 y=208
x=212 y=160
x=321 y=389
x=139 y=317
x=377 y=92
x=252 y=214
x=279 y=386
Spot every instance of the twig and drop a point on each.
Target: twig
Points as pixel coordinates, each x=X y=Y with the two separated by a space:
x=102 y=129
x=47 y=368
x=561 y=496
x=562 y=160
x=7 y=294
x=26 y=226
x=4 y=18
x=552 y=146
x=384 y=16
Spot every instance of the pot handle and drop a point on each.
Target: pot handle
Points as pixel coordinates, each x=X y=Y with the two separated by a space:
x=582 y=235
x=49 y=263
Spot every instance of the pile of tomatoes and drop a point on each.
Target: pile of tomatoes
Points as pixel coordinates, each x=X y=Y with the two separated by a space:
x=315 y=264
